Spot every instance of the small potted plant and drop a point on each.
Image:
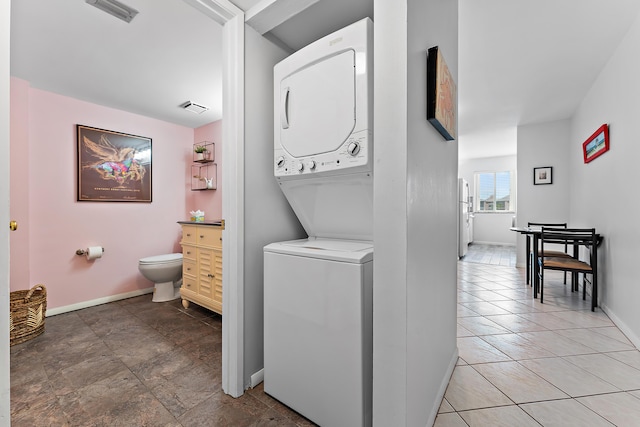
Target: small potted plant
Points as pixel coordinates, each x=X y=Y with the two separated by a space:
x=201 y=152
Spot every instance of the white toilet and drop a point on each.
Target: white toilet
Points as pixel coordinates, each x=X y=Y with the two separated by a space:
x=166 y=272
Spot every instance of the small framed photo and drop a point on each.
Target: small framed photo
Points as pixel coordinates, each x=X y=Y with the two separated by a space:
x=597 y=144
x=542 y=175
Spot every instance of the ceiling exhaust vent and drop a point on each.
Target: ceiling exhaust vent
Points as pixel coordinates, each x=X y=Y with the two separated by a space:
x=194 y=108
x=114 y=8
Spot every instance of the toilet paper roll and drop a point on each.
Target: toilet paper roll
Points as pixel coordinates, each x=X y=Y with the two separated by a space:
x=94 y=252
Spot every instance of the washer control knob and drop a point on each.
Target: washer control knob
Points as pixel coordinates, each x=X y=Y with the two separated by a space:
x=353 y=148
x=300 y=167
x=280 y=161
x=311 y=164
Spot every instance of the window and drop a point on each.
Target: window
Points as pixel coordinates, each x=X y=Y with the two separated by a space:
x=494 y=192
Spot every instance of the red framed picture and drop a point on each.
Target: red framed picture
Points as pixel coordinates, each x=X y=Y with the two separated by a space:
x=597 y=144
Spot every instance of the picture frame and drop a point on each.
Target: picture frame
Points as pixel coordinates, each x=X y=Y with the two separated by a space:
x=543 y=175
x=112 y=166
x=441 y=95
x=597 y=144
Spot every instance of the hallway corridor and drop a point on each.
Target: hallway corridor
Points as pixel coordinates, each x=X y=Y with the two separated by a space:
x=523 y=363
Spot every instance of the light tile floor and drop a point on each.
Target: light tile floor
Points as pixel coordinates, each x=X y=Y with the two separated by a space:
x=523 y=363
x=491 y=254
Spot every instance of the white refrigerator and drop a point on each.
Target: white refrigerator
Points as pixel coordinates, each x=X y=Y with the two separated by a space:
x=464 y=217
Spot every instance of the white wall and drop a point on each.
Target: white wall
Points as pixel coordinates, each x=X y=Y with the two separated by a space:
x=604 y=193
x=490 y=228
x=415 y=221
x=268 y=217
x=542 y=145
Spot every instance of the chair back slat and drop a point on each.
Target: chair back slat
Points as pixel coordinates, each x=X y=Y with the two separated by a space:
x=582 y=236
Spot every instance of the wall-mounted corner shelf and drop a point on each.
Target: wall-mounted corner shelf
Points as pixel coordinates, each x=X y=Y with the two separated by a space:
x=204 y=176
x=206 y=152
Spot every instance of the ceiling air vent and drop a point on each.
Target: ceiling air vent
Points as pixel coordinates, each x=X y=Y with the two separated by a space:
x=114 y=8
x=194 y=108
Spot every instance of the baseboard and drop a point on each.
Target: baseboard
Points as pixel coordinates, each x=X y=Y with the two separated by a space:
x=443 y=388
x=257 y=378
x=478 y=242
x=635 y=340
x=98 y=301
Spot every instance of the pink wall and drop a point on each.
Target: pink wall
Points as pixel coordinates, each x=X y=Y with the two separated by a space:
x=19 y=185
x=53 y=224
x=208 y=201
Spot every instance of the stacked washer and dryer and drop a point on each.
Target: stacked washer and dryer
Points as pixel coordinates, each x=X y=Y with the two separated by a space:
x=318 y=349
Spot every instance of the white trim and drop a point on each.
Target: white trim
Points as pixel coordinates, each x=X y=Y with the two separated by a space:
x=479 y=242
x=5 y=83
x=268 y=14
x=257 y=378
x=624 y=328
x=443 y=387
x=97 y=301
x=233 y=210
x=220 y=11
x=232 y=18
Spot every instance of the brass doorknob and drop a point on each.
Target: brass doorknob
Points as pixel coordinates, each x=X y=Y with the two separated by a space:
x=13 y=225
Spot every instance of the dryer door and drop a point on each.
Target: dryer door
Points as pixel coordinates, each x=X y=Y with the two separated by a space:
x=317 y=106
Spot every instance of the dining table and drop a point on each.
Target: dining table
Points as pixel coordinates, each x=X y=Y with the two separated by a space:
x=530 y=232
x=533 y=235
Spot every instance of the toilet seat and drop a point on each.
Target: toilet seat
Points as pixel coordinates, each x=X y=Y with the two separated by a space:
x=161 y=259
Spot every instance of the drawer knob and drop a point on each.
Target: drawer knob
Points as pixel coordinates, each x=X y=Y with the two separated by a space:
x=188 y=235
x=211 y=275
x=202 y=236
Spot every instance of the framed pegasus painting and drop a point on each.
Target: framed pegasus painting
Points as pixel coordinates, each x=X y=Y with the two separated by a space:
x=113 y=166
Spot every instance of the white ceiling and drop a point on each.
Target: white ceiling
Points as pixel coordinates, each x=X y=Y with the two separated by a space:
x=520 y=62
x=524 y=62
x=169 y=54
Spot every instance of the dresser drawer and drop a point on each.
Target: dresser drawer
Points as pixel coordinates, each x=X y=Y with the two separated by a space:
x=190 y=283
x=189 y=233
x=189 y=253
x=189 y=266
x=209 y=236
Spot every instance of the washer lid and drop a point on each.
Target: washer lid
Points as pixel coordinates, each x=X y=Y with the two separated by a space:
x=352 y=251
x=161 y=259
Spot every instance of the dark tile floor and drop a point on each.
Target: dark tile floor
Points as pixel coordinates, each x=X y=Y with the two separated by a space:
x=133 y=363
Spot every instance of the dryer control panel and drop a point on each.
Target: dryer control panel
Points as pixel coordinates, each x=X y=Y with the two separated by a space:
x=352 y=155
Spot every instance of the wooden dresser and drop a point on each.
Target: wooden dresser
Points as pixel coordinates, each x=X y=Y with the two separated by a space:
x=202 y=264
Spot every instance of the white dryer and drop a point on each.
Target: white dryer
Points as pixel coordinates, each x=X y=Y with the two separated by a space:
x=317 y=291
x=323 y=143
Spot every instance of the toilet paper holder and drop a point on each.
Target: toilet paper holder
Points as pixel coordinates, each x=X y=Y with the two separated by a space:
x=83 y=251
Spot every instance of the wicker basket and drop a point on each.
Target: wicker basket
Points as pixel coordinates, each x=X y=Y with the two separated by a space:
x=27 y=311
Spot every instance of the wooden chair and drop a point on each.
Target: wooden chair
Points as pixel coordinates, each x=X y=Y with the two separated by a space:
x=575 y=237
x=546 y=253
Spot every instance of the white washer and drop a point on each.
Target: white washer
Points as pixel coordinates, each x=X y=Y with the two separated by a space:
x=318 y=339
